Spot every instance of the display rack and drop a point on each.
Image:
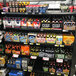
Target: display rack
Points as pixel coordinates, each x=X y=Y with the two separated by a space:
x=38 y=60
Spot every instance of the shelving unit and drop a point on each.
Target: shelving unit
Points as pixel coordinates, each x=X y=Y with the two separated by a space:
x=49 y=13
x=37 y=66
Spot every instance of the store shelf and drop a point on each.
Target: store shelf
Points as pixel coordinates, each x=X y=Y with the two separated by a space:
x=14 y=68
x=41 y=72
x=2 y=67
x=49 y=13
x=38 y=30
x=23 y=30
x=39 y=44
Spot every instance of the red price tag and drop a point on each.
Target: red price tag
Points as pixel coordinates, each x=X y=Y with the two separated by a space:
x=45 y=58
x=15 y=55
x=33 y=57
x=59 y=60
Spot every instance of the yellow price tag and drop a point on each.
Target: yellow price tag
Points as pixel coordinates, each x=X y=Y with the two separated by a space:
x=29 y=70
x=58 y=74
x=25 y=70
x=37 y=43
x=31 y=43
x=61 y=45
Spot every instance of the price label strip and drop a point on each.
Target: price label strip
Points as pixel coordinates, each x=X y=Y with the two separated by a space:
x=45 y=58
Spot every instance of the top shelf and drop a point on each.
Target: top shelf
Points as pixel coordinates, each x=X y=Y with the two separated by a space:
x=49 y=13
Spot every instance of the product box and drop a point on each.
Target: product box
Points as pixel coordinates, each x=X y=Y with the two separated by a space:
x=16 y=49
x=43 y=8
x=59 y=56
x=3 y=72
x=15 y=37
x=1 y=48
x=45 y=24
x=34 y=53
x=24 y=23
x=8 y=49
x=68 y=54
x=20 y=73
x=41 y=54
x=11 y=63
x=66 y=8
x=13 y=22
x=8 y=22
x=49 y=55
x=59 y=71
x=17 y=23
x=68 y=39
x=30 y=23
x=41 y=38
x=8 y=36
x=51 y=38
x=0 y=22
x=13 y=73
x=25 y=50
x=31 y=38
x=2 y=60
x=25 y=62
x=18 y=63
x=75 y=8
x=59 y=39
x=52 y=67
x=23 y=38
x=1 y=5
x=28 y=9
x=52 y=71
x=66 y=72
x=31 y=65
x=4 y=22
x=45 y=66
x=69 y=25
x=36 y=24
x=56 y=26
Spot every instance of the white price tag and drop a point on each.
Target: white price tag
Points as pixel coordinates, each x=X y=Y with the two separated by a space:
x=33 y=57
x=2 y=12
x=15 y=55
x=54 y=5
x=74 y=75
x=59 y=60
x=65 y=30
x=25 y=43
x=45 y=58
